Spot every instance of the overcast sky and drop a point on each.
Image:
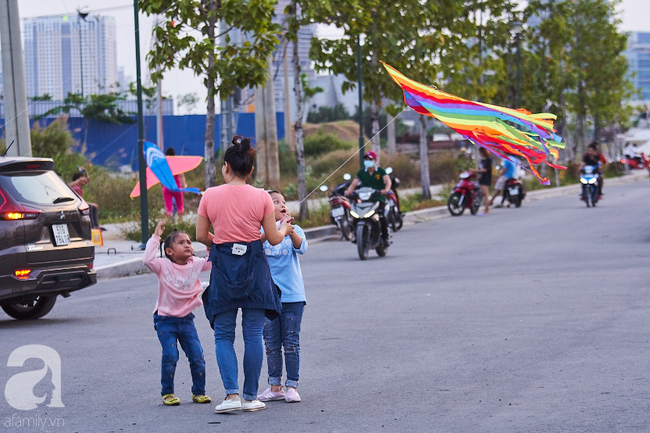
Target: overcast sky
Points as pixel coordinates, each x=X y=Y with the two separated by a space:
x=634 y=13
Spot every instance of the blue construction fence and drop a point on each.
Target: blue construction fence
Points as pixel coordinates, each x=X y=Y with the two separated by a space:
x=113 y=145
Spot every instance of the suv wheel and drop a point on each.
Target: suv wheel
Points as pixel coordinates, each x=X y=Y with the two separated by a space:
x=30 y=310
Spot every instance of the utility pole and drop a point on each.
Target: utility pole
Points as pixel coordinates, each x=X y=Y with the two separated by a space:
x=13 y=78
x=81 y=51
x=360 y=102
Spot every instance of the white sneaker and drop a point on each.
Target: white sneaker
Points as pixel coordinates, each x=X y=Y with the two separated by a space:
x=252 y=405
x=228 y=406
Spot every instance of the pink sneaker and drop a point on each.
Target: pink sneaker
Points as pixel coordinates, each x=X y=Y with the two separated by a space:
x=269 y=395
x=292 y=395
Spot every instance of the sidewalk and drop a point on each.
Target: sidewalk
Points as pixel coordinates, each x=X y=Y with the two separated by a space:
x=121 y=258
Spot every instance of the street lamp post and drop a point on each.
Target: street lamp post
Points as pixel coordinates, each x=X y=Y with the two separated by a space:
x=81 y=16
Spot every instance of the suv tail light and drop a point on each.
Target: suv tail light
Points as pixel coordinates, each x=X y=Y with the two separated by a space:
x=11 y=211
x=22 y=274
x=84 y=208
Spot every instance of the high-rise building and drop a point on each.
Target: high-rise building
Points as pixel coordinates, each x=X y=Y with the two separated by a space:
x=69 y=55
x=638 y=57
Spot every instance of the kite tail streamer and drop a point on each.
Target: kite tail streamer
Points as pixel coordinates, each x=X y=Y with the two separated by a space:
x=490 y=126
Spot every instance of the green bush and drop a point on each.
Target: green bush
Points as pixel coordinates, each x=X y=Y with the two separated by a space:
x=287 y=159
x=445 y=167
x=321 y=143
x=404 y=168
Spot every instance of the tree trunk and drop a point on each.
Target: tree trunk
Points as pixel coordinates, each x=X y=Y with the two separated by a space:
x=374 y=118
x=567 y=155
x=272 y=158
x=374 y=106
x=300 y=146
x=580 y=120
x=424 y=161
x=260 y=136
x=210 y=171
x=288 y=134
x=390 y=143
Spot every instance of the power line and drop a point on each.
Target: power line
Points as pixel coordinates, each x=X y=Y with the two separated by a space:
x=91 y=11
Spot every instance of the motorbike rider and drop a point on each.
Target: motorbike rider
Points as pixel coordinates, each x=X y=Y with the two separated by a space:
x=374 y=177
x=508 y=171
x=594 y=158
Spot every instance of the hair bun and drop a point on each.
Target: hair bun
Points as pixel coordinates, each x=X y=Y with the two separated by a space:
x=244 y=145
x=237 y=139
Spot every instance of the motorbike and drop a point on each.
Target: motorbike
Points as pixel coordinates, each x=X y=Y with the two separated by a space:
x=589 y=181
x=392 y=211
x=465 y=194
x=340 y=207
x=514 y=192
x=365 y=221
x=638 y=163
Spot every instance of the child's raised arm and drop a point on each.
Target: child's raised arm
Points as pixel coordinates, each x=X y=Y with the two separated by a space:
x=299 y=240
x=153 y=244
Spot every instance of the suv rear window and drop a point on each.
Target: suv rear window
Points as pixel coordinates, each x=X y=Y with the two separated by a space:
x=39 y=188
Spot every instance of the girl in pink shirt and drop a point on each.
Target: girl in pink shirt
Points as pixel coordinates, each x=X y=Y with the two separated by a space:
x=179 y=293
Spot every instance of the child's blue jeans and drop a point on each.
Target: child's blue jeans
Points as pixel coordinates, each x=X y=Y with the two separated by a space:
x=284 y=331
x=174 y=330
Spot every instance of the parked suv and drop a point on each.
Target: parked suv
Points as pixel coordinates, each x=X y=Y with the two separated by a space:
x=46 y=248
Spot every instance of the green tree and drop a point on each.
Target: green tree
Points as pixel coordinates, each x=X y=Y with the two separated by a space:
x=300 y=13
x=434 y=42
x=55 y=141
x=188 y=38
x=579 y=73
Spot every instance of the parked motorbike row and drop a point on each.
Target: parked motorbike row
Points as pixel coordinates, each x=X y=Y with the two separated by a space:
x=357 y=217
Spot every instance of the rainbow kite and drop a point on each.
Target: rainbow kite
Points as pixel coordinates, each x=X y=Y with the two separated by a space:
x=485 y=124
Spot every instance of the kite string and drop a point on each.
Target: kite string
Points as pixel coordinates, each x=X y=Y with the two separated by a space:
x=353 y=155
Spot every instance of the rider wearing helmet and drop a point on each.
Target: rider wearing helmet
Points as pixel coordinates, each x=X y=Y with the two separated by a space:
x=374 y=177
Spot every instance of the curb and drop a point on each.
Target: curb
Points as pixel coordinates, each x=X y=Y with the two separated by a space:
x=319 y=234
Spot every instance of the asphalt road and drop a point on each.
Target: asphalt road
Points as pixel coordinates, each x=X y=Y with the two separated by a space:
x=527 y=320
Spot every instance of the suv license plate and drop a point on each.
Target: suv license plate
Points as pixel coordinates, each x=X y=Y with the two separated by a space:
x=61 y=234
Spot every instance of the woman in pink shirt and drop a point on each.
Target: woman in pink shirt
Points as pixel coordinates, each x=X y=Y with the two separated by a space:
x=240 y=277
x=179 y=291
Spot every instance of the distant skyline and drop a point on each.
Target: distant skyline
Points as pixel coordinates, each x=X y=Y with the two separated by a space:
x=635 y=16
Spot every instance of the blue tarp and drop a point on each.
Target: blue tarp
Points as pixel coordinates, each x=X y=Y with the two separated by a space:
x=116 y=145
